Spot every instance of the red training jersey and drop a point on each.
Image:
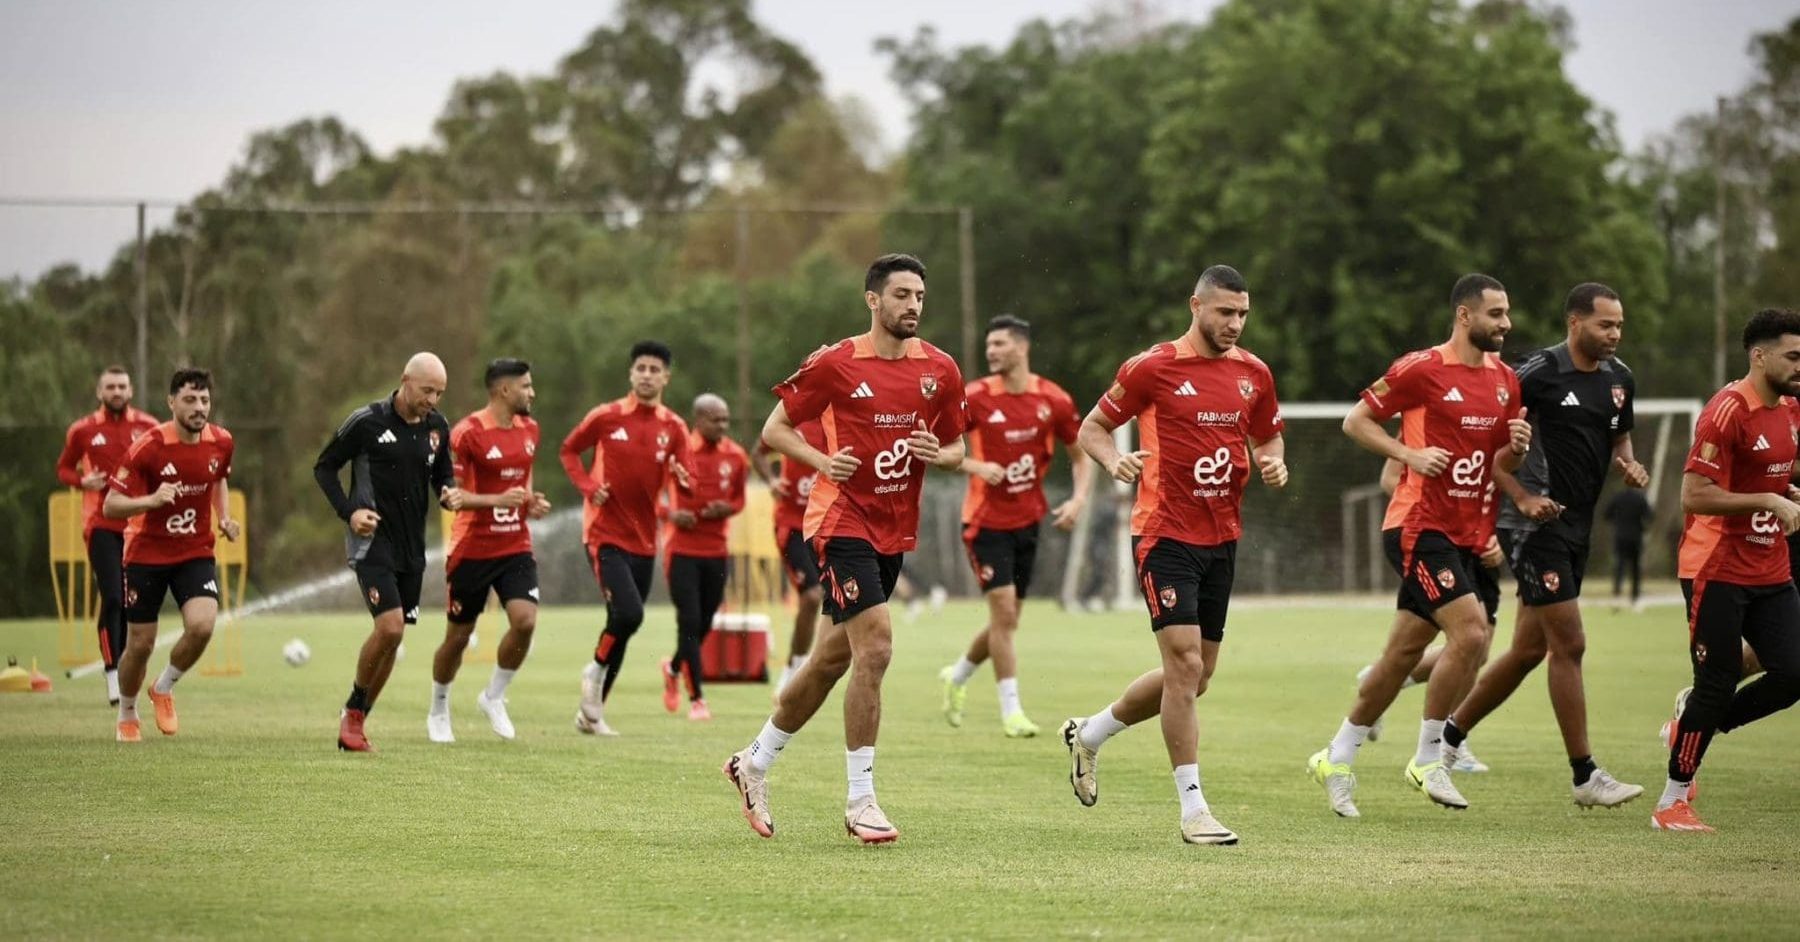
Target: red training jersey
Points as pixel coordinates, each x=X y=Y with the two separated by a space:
x=790 y=511
x=182 y=530
x=491 y=459
x=716 y=472
x=1463 y=410
x=1744 y=447
x=1017 y=431
x=872 y=406
x=98 y=442
x=1194 y=414
x=635 y=446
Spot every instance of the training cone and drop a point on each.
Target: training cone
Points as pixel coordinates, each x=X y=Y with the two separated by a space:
x=14 y=679
x=39 y=682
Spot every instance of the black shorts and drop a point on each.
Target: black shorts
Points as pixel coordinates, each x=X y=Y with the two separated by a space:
x=1185 y=584
x=145 y=586
x=1723 y=615
x=1441 y=572
x=385 y=589
x=1003 y=558
x=856 y=578
x=510 y=577
x=1548 y=563
x=797 y=559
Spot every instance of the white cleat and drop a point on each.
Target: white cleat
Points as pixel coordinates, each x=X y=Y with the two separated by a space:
x=1433 y=781
x=437 y=727
x=495 y=711
x=1603 y=791
x=1203 y=828
x=1082 y=761
x=112 y=688
x=1462 y=759
x=864 y=821
x=1339 y=782
x=590 y=717
x=592 y=725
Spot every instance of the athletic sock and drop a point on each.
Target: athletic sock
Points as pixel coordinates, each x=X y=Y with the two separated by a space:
x=1431 y=743
x=795 y=661
x=359 y=699
x=497 y=684
x=1408 y=681
x=1100 y=727
x=1009 y=697
x=440 y=699
x=1583 y=768
x=1187 y=786
x=1453 y=734
x=787 y=673
x=860 y=765
x=963 y=670
x=767 y=745
x=1673 y=792
x=127 y=708
x=1349 y=738
x=112 y=684
x=166 y=682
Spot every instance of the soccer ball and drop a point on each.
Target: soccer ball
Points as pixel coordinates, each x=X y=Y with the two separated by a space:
x=296 y=653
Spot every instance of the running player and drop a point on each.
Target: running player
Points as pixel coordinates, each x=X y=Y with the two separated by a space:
x=1207 y=414
x=891 y=404
x=791 y=486
x=699 y=559
x=1461 y=416
x=490 y=543
x=171 y=485
x=1579 y=397
x=639 y=446
x=92 y=449
x=399 y=452
x=1015 y=419
x=1733 y=563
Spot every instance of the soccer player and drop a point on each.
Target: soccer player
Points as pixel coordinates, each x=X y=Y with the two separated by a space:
x=639 y=446
x=171 y=486
x=490 y=543
x=891 y=405
x=1015 y=419
x=92 y=449
x=1579 y=397
x=699 y=558
x=1461 y=418
x=1733 y=563
x=399 y=452
x=1207 y=414
x=791 y=488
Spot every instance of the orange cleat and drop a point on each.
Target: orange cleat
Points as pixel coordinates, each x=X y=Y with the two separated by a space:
x=165 y=710
x=129 y=731
x=350 y=733
x=671 y=687
x=698 y=712
x=1678 y=817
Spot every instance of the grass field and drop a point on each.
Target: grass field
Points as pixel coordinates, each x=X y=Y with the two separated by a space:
x=250 y=823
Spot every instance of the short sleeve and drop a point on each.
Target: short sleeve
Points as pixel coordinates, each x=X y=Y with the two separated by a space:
x=1064 y=422
x=1402 y=387
x=1627 y=415
x=129 y=477
x=1131 y=389
x=807 y=393
x=1714 y=436
x=1265 y=411
x=227 y=450
x=952 y=418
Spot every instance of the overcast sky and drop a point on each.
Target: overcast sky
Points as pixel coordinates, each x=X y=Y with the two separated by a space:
x=155 y=100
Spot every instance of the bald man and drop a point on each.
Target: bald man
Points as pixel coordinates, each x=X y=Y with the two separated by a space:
x=399 y=452
x=699 y=560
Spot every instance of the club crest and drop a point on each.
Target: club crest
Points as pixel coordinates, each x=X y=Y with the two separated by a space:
x=1246 y=388
x=374 y=596
x=1552 y=581
x=1043 y=412
x=1446 y=578
x=434 y=440
x=1501 y=395
x=928 y=385
x=1167 y=596
x=986 y=573
x=455 y=606
x=212 y=466
x=1618 y=393
x=852 y=591
x=662 y=440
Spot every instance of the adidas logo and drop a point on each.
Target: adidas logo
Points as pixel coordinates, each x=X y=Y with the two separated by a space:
x=493 y=453
x=211 y=586
x=1570 y=399
x=533 y=593
x=1454 y=395
x=387 y=437
x=1762 y=444
x=862 y=391
x=619 y=435
x=1186 y=389
x=99 y=439
x=1193 y=788
x=997 y=418
x=169 y=471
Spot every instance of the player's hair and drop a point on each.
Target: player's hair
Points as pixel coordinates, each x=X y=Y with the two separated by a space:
x=504 y=368
x=879 y=270
x=190 y=376
x=1770 y=324
x=1470 y=287
x=115 y=368
x=652 y=348
x=1222 y=277
x=1017 y=326
x=1583 y=296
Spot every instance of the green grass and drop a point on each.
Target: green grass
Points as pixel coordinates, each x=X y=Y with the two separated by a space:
x=251 y=823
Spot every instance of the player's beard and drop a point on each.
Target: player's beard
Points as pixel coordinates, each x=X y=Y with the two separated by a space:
x=194 y=421
x=118 y=410
x=1489 y=342
x=1215 y=339
x=896 y=325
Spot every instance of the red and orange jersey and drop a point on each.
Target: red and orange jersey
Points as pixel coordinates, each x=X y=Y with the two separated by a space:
x=1195 y=416
x=182 y=530
x=635 y=448
x=1744 y=447
x=98 y=441
x=491 y=459
x=872 y=406
x=790 y=510
x=1017 y=431
x=716 y=472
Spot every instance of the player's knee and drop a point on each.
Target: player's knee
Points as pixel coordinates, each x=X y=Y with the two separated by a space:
x=874 y=656
x=141 y=641
x=624 y=619
x=390 y=629
x=525 y=624
x=1185 y=667
x=1530 y=651
x=199 y=630
x=1569 y=648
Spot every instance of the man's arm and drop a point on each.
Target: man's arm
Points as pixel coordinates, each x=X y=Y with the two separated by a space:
x=1390 y=476
x=780 y=434
x=1625 y=460
x=338 y=452
x=1362 y=428
x=1096 y=438
x=1082 y=470
x=68 y=465
x=1700 y=495
x=1270 y=457
x=581 y=438
x=222 y=510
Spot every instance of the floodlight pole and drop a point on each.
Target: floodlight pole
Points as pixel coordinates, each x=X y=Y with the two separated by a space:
x=141 y=304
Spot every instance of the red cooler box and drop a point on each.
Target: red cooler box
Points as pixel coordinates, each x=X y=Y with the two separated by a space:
x=737 y=648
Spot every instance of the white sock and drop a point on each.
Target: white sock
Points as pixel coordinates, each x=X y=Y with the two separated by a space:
x=795 y=661
x=1100 y=727
x=781 y=682
x=166 y=682
x=498 y=683
x=767 y=746
x=1672 y=792
x=596 y=672
x=860 y=765
x=1187 y=786
x=112 y=684
x=1349 y=738
x=1431 y=742
x=440 y=698
x=127 y=708
x=1408 y=681
x=963 y=670
x=1009 y=697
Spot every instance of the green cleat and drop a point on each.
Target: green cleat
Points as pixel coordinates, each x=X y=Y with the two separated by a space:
x=1339 y=782
x=1433 y=781
x=955 y=695
x=1017 y=726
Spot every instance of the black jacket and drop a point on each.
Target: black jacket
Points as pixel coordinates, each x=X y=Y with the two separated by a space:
x=397 y=469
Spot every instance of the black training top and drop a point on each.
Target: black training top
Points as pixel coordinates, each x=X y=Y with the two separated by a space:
x=1574 y=417
x=396 y=469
